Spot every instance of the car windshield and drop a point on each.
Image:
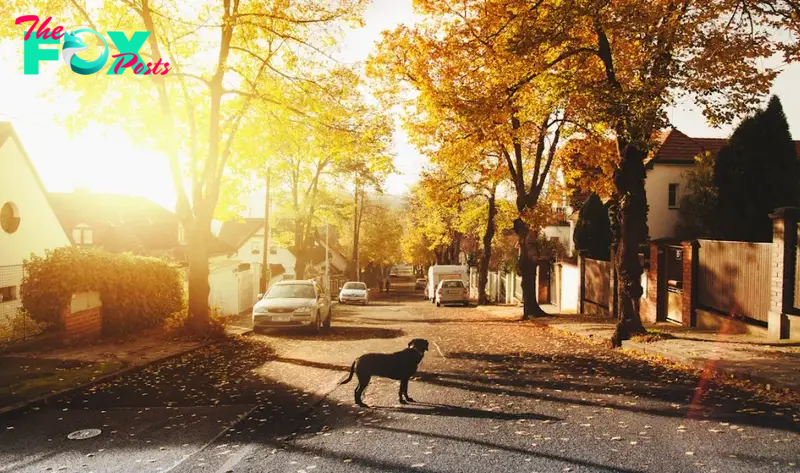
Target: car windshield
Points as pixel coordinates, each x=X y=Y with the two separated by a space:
x=291 y=291
x=355 y=285
x=452 y=284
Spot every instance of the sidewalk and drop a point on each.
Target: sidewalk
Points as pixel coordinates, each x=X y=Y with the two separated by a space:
x=32 y=376
x=775 y=364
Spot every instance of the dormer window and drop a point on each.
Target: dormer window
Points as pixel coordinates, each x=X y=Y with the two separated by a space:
x=255 y=248
x=82 y=234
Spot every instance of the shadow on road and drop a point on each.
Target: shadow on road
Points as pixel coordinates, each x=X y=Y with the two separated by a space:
x=448 y=410
x=336 y=333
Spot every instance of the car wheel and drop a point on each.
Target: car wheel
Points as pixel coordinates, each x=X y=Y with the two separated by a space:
x=438 y=304
x=466 y=303
x=327 y=323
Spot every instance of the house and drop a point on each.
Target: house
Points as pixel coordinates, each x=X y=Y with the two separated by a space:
x=666 y=177
x=28 y=224
x=119 y=223
x=246 y=237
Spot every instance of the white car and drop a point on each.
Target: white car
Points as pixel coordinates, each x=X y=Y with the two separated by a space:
x=451 y=291
x=293 y=304
x=355 y=292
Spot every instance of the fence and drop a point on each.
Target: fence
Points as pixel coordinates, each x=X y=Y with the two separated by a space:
x=597 y=281
x=734 y=277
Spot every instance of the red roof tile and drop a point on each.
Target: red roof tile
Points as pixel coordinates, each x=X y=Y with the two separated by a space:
x=674 y=147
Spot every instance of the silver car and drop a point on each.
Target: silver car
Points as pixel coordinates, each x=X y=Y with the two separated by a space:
x=356 y=292
x=293 y=304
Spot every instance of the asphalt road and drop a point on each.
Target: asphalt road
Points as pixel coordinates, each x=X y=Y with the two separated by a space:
x=493 y=395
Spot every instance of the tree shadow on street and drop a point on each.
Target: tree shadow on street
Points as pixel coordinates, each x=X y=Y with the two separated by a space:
x=449 y=410
x=340 y=333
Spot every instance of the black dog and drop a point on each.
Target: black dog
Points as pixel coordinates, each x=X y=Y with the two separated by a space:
x=400 y=366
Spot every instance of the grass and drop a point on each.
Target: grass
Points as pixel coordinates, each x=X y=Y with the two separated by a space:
x=26 y=379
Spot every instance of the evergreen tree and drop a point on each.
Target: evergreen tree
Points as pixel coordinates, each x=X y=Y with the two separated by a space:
x=593 y=230
x=756 y=172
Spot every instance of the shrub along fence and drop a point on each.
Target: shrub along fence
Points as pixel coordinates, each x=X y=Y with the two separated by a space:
x=137 y=292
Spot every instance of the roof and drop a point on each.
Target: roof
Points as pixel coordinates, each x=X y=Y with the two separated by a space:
x=675 y=147
x=7 y=132
x=235 y=233
x=126 y=222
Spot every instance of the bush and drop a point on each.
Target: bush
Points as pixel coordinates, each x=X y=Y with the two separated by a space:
x=137 y=292
x=593 y=230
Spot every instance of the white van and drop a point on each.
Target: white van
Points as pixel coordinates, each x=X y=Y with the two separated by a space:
x=441 y=272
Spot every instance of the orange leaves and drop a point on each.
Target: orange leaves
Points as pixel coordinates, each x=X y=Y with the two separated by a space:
x=588 y=164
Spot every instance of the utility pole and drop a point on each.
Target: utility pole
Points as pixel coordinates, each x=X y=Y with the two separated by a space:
x=327 y=263
x=266 y=274
x=358 y=268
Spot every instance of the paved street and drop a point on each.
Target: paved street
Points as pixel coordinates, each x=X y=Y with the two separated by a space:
x=493 y=394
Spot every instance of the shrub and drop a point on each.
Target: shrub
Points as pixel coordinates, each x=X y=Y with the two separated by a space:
x=593 y=230
x=137 y=292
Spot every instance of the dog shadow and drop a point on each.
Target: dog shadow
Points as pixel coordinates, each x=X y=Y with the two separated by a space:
x=449 y=410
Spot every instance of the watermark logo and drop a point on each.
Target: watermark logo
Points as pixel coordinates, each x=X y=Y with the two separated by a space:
x=128 y=57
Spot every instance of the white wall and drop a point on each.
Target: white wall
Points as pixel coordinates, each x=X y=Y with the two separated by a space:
x=39 y=229
x=283 y=257
x=661 y=219
x=563 y=233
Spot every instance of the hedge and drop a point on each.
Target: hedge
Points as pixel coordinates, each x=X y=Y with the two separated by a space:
x=137 y=292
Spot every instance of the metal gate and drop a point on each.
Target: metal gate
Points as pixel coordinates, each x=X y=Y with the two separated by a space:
x=674 y=279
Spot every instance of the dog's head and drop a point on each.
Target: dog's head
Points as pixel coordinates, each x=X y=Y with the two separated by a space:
x=420 y=344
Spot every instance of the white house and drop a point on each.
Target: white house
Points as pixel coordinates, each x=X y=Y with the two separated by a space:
x=28 y=224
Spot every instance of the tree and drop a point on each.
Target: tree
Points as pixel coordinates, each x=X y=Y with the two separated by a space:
x=698 y=215
x=474 y=89
x=226 y=56
x=628 y=61
x=593 y=230
x=756 y=172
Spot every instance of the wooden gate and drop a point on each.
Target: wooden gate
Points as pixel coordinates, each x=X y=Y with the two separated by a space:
x=544 y=282
x=674 y=279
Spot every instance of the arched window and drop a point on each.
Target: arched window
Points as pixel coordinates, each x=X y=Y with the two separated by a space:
x=9 y=217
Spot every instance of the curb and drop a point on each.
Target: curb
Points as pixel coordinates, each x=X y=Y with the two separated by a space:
x=45 y=397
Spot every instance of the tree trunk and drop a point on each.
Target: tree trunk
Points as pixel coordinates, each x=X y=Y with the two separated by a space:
x=483 y=272
x=527 y=268
x=199 y=288
x=266 y=274
x=356 y=229
x=631 y=219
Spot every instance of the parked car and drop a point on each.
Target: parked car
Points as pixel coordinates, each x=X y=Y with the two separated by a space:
x=293 y=304
x=420 y=284
x=356 y=292
x=451 y=291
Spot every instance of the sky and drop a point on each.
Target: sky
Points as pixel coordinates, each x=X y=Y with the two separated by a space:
x=108 y=161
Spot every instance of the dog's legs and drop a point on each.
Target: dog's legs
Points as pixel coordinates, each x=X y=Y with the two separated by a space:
x=363 y=381
x=403 y=389
x=408 y=398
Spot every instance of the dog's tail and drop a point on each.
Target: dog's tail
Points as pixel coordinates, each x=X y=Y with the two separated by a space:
x=352 y=370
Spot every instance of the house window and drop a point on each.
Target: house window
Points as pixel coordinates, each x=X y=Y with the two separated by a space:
x=672 y=197
x=9 y=217
x=82 y=234
x=273 y=251
x=255 y=248
x=8 y=293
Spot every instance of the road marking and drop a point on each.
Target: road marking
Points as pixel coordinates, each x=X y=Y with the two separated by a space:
x=439 y=350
